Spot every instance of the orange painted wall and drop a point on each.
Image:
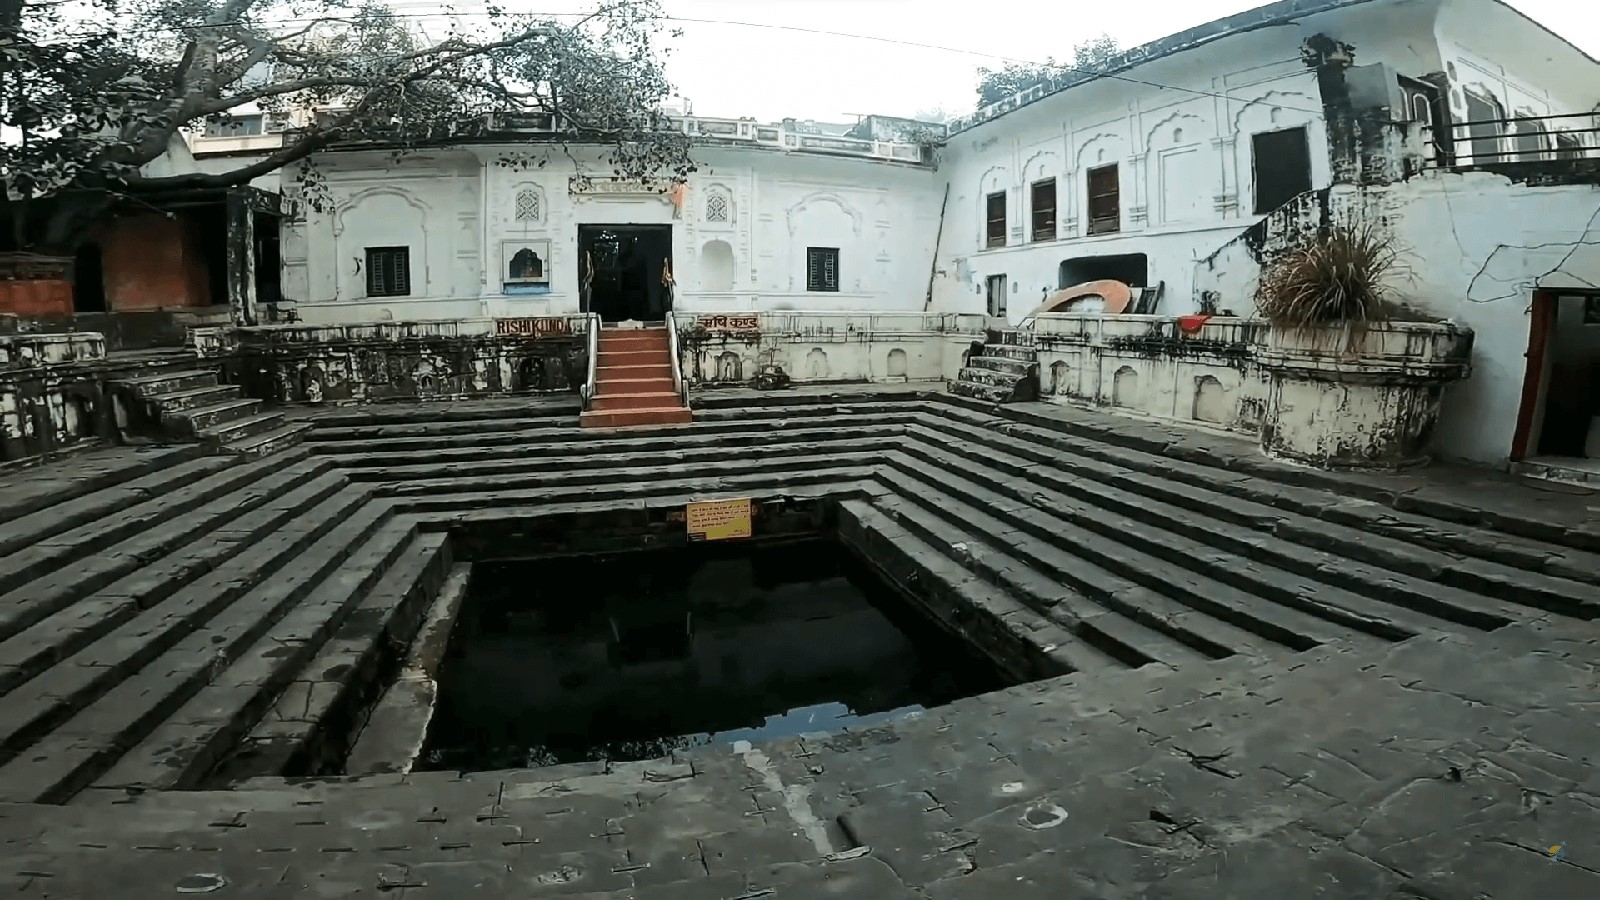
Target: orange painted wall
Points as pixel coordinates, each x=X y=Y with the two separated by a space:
x=153 y=262
x=30 y=298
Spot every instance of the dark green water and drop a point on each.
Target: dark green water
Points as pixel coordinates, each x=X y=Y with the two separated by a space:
x=631 y=656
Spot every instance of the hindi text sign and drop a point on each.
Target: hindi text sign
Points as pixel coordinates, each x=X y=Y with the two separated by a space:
x=718 y=520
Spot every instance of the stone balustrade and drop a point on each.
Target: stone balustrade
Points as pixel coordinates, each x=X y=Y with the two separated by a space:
x=1330 y=397
x=815 y=347
x=378 y=361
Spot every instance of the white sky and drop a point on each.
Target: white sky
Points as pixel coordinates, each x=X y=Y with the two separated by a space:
x=771 y=72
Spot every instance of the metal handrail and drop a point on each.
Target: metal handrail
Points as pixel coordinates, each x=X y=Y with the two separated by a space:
x=586 y=393
x=678 y=384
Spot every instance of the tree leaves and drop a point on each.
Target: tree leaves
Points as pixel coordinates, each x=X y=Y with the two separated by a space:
x=94 y=98
x=1088 y=56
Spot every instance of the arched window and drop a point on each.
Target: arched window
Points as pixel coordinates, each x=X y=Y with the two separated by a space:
x=528 y=205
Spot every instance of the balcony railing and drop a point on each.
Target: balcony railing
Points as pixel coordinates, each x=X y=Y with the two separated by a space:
x=1515 y=139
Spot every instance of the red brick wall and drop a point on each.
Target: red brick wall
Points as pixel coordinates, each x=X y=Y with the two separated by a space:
x=153 y=262
x=33 y=298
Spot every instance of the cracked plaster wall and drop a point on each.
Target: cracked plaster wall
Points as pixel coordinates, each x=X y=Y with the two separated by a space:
x=1477 y=244
x=1333 y=399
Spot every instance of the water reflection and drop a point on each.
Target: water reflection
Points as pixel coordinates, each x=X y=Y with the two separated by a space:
x=633 y=657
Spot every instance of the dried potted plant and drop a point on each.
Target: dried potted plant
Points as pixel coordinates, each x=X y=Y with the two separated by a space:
x=1338 y=283
x=1356 y=379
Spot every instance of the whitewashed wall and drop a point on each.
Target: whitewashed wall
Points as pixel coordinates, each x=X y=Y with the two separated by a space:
x=456 y=210
x=1476 y=246
x=1187 y=179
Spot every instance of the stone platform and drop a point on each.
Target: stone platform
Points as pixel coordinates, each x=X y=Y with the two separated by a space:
x=1258 y=680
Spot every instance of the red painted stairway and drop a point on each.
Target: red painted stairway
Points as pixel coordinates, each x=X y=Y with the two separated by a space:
x=633 y=381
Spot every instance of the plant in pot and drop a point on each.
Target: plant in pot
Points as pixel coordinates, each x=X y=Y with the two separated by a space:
x=1333 y=284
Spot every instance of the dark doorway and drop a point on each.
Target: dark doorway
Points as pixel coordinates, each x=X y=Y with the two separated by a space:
x=88 y=280
x=1283 y=167
x=268 y=270
x=625 y=271
x=1132 y=269
x=210 y=225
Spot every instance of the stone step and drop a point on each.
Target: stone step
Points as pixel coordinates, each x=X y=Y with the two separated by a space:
x=1295 y=628
x=1011 y=351
x=610 y=358
x=654 y=386
x=68 y=480
x=115 y=640
x=1170 y=632
x=139 y=535
x=365 y=589
x=314 y=720
x=458 y=505
x=150 y=386
x=619 y=402
x=200 y=419
x=1417 y=544
x=637 y=416
x=548 y=443
x=584 y=480
x=641 y=340
x=657 y=370
x=1112 y=638
x=999 y=378
x=1043 y=509
x=1311 y=493
x=174 y=402
x=1003 y=364
x=75 y=626
x=40 y=527
x=267 y=443
x=75 y=720
x=618 y=455
x=1254 y=532
x=987 y=393
x=474 y=414
x=441 y=428
x=1014 y=637
x=1433 y=502
x=707 y=425
x=242 y=429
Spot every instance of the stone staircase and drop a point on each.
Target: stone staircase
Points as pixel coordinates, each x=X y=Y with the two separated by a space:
x=171 y=623
x=1003 y=371
x=190 y=404
x=633 y=381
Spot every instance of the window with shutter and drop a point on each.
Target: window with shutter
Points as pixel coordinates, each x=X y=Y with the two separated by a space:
x=1105 y=200
x=388 y=271
x=995 y=213
x=822 y=269
x=1043 y=197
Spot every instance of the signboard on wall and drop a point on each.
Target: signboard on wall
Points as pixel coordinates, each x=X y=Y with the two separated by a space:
x=725 y=322
x=718 y=520
x=527 y=326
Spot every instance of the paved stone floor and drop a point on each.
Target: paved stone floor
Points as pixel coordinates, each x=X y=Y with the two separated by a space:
x=1281 y=682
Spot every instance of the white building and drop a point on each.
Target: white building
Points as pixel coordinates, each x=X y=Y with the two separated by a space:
x=1466 y=129
x=775 y=218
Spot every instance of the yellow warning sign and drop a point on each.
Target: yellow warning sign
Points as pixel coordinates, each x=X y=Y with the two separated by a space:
x=718 y=520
